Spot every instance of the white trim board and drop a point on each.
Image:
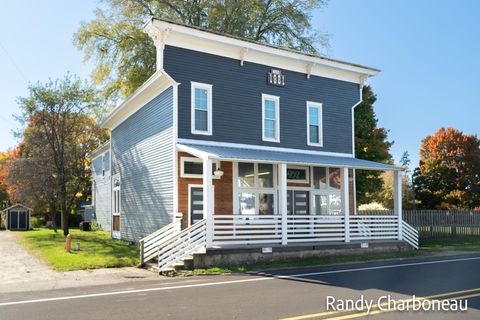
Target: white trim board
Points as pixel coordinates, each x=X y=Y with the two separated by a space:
x=203 y=41
x=154 y=86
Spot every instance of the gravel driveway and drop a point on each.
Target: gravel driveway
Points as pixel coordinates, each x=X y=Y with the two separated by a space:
x=20 y=271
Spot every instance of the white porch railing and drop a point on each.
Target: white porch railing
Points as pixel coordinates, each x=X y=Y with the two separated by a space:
x=170 y=245
x=150 y=244
x=373 y=227
x=305 y=228
x=187 y=242
x=237 y=230
x=246 y=229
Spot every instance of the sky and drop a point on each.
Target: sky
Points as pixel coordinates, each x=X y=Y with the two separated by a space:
x=428 y=51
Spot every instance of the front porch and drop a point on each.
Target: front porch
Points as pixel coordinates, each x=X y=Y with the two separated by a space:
x=252 y=197
x=230 y=198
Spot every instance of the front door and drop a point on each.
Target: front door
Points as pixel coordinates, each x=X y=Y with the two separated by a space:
x=298 y=202
x=195 y=205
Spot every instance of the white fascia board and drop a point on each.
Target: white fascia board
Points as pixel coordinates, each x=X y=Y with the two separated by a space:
x=159 y=81
x=103 y=148
x=204 y=41
x=259 y=147
x=196 y=152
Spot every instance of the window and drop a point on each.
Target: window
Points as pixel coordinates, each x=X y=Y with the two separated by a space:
x=327 y=184
x=270 y=118
x=298 y=174
x=256 y=193
x=116 y=201
x=191 y=167
x=314 y=124
x=201 y=108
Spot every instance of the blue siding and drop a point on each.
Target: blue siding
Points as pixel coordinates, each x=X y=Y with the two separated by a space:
x=142 y=153
x=237 y=105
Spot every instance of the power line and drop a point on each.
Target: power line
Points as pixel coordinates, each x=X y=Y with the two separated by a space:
x=12 y=61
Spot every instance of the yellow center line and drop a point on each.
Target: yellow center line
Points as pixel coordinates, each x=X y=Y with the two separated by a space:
x=316 y=315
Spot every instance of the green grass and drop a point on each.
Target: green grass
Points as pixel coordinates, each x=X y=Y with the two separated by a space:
x=97 y=249
x=307 y=262
x=466 y=243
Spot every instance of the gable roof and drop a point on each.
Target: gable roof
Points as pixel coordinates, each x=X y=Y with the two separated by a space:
x=16 y=206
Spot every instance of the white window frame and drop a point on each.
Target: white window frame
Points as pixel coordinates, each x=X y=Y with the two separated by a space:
x=319 y=107
x=256 y=190
x=198 y=160
x=208 y=87
x=118 y=198
x=277 y=119
x=326 y=192
x=307 y=174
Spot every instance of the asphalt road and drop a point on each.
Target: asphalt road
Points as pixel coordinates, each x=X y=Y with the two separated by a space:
x=299 y=293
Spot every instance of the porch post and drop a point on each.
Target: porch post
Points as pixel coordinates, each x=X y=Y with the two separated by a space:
x=282 y=190
x=346 y=202
x=208 y=201
x=397 y=200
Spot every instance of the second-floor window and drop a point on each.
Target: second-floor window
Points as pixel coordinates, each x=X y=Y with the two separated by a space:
x=201 y=108
x=270 y=118
x=314 y=124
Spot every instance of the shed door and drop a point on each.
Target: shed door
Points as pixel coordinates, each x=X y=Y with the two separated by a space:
x=13 y=220
x=22 y=220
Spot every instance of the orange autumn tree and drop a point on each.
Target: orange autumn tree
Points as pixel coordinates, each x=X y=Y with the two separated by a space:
x=449 y=171
x=7 y=190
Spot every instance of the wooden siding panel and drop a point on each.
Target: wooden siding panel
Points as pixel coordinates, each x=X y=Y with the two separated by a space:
x=143 y=155
x=237 y=105
x=223 y=190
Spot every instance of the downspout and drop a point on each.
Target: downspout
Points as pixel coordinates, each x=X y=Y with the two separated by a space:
x=362 y=82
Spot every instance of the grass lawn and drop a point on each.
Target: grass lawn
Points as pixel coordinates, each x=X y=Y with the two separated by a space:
x=467 y=243
x=97 y=249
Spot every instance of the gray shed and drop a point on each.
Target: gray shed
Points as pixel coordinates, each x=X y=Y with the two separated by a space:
x=18 y=217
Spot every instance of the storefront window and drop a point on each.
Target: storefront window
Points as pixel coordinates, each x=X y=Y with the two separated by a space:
x=246 y=175
x=327 y=186
x=265 y=175
x=266 y=205
x=246 y=203
x=256 y=188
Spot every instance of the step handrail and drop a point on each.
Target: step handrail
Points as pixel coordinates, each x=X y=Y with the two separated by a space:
x=185 y=243
x=154 y=240
x=410 y=235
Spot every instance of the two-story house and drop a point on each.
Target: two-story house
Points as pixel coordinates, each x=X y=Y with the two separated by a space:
x=239 y=143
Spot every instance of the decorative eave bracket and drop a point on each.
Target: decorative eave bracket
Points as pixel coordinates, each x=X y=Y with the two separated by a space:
x=310 y=69
x=243 y=54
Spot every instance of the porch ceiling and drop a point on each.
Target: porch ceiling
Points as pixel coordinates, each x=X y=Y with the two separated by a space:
x=289 y=157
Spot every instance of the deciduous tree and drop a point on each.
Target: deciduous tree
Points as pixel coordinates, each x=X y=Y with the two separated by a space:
x=449 y=171
x=59 y=135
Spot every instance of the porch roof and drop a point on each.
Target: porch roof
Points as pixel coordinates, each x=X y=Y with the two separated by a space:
x=289 y=157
